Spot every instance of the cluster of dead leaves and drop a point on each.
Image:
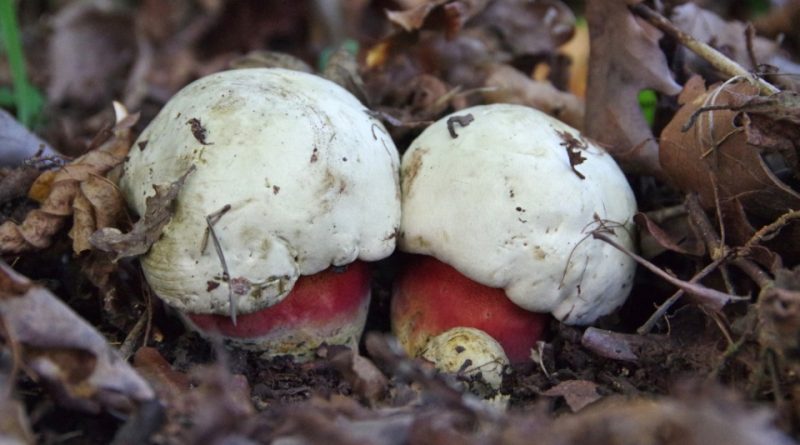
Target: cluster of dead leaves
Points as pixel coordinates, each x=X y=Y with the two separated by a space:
x=78 y=190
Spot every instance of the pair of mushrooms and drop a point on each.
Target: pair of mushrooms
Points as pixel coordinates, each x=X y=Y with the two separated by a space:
x=296 y=187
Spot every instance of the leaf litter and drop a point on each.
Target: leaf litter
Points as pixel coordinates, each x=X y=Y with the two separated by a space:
x=715 y=301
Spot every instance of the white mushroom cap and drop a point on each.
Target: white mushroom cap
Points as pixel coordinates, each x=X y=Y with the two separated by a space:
x=501 y=203
x=310 y=177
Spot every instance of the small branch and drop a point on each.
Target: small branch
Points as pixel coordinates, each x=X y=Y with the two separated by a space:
x=718 y=60
x=128 y=346
x=711 y=298
x=666 y=305
x=771 y=229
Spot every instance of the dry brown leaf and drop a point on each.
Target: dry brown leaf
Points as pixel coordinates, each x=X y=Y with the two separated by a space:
x=577 y=393
x=624 y=59
x=57 y=191
x=526 y=27
x=728 y=155
x=685 y=241
x=509 y=85
x=15 y=428
x=342 y=69
x=64 y=351
x=159 y=210
x=169 y=384
x=15 y=182
x=450 y=15
x=695 y=417
x=368 y=382
x=91 y=47
x=729 y=37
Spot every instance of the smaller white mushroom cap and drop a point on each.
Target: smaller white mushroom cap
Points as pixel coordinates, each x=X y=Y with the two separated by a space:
x=311 y=180
x=501 y=203
x=470 y=353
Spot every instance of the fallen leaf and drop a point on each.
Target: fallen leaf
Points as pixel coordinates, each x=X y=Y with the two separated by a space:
x=685 y=241
x=509 y=85
x=62 y=350
x=577 y=393
x=574 y=147
x=728 y=154
x=342 y=69
x=729 y=37
x=15 y=182
x=624 y=59
x=528 y=27
x=450 y=15
x=99 y=204
x=159 y=210
x=15 y=427
x=698 y=415
x=613 y=345
x=367 y=381
x=91 y=48
x=57 y=191
x=18 y=143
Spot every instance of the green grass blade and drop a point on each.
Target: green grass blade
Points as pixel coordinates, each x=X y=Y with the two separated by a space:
x=27 y=100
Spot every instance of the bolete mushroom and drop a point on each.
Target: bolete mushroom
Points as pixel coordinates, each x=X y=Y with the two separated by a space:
x=502 y=200
x=294 y=184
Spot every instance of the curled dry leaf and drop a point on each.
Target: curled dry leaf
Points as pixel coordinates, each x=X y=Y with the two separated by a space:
x=624 y=59
x=678 y=236
x=146 y=231
x=64 y=351
x=59 y=192
x=728 y=155
x=450 y=15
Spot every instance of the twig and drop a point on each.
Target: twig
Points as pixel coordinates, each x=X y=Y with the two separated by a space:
x=771 y=229
x=712 y=298
x=226 y=276
x=666 y=305
x=698 y=216
x=128 y=345
x=718 y=60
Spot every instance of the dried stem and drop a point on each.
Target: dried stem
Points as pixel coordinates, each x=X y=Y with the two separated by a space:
x=226 y=276
x=129 y=344
x=718 y=60
x=771 y=229
x=711 y=298
x=666 y=305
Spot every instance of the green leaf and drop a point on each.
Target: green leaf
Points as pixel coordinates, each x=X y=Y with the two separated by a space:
x=27 y=99
x=647 y=102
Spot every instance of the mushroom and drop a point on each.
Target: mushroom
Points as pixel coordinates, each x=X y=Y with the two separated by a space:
x=502 y=201
x=294 y=184
x=472 y=355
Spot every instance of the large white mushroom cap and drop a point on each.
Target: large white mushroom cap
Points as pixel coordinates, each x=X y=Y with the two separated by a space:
x=501 y=203
x=311 y=180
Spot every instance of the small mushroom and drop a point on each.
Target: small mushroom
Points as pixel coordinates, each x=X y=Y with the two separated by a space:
x=504 y=211
x=293 y=177
x=473 y=356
